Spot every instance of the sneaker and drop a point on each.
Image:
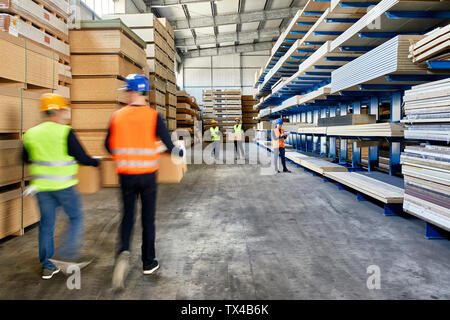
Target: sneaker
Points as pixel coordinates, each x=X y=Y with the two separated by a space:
x=49 y=273
x=121 y=270
x=151 y=268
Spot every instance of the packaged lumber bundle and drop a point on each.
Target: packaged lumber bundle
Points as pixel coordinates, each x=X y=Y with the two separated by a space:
x=19 y=109
x=433 y=46
x=10 y=162
x=89 y=116
x=368 y=130
x=23 y=61
x=187 y=111
x=93 y=142
x=347 y=120
x=108 y=37
x=427 y=111
x=227 y=107
x=427 y=183
x=264 y=125
x=102 y=65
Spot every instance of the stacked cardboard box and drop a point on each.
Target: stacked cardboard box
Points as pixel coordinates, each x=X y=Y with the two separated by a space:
x=248 y=113
x=159 y=36
x=44 y=23
x=27 y=70
x=103 y=54
x=227 y=107
x=187 y=111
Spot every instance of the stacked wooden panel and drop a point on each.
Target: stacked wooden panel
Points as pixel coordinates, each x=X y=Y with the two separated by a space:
x=227 y=107
x=427 y=183
x=43 y=22
x=27 y=70
x=433 y=47
x=103 y=54
x=187 y=111
x=427 y=111
x=208 y=107
x=249 y=114
x=160 y=55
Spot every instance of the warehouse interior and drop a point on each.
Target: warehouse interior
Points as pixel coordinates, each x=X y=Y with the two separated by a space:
x=313 y=136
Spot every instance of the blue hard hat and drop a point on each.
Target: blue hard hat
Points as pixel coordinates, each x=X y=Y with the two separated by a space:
x=279 y=121
x=137 y=82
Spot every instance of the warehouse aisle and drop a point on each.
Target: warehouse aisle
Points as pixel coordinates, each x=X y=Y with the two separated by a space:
x=227 y=232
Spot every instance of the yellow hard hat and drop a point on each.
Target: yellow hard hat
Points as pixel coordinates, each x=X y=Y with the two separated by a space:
x=214 y=121
x=53 y=101
x=237 y=119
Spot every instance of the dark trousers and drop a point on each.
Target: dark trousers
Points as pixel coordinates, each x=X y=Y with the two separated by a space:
x=133 y=186
x=283 y=158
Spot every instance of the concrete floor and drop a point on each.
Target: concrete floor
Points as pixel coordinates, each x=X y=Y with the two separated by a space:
x=227 y=232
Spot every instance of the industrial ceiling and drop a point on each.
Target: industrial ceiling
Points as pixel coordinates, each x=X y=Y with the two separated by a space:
x=216 y=27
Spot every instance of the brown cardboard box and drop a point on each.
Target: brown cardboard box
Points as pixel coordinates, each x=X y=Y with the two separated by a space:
x=235 y=136
x=169 y=171
x=88 y=179
x=109 y=174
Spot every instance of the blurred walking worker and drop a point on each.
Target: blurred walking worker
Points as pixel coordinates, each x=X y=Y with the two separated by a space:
x=215 y=138
x=52 y=150
x=238 y=144
x=132 y=140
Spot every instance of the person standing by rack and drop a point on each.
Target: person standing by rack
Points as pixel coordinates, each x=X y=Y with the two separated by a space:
x=278 y=137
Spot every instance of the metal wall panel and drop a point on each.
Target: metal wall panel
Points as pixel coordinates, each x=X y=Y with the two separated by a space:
x=201 y=62
x=227 y=77
x=248 y=77
x=197 y=77
x=226 y=61
x=254 y=61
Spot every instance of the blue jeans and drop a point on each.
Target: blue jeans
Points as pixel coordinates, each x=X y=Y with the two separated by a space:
x=49 y=202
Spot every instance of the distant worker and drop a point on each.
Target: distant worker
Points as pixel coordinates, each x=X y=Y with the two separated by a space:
x=53 y=150
x=215 y=138
x=238 y=144
x=132 y=139
x=278 y=137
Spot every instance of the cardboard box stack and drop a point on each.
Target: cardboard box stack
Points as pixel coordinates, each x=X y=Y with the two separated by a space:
x=187 y=111
x=248 y=113
x=103 y=53
x=227 y=107
x=27 y=69
x=159 y=36
x=44 y=23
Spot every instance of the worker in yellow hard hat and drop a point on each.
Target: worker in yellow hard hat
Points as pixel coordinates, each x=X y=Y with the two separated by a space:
x=215 y=138
x=238 y=139
x=53 y=152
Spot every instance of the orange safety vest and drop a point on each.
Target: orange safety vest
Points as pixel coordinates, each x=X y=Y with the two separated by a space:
x=133 y=140
x=278 y=143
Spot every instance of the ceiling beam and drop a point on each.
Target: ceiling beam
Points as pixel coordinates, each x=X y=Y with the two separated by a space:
x=227 y=19
x=164 y=3
x=258 y=35
x=241 y=48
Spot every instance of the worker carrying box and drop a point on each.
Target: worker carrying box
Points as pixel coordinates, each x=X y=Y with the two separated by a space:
x=53 y=151
x=133 y=140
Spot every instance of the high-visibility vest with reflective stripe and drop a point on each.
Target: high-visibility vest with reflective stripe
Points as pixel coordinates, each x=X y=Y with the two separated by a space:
x=238 y=127
x=215 y=136
x=52 y=168
x=133 y=140
x=280 y=142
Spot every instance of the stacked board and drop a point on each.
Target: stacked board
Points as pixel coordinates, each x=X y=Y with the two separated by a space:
x=208 y=106
x=249 y=114
x=227 y=107
x=187 y=111
x=427 y=111
x=433 y=48
x=158 y=35
x=27 y=69
x=45 y=24
x=427 y=183
x=347 y=120
x=103 y=53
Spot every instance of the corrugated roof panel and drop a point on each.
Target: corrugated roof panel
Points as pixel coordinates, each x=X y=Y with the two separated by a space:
x=272 y=24
x=227 y=28
x=249 y=26
x=199 y=9
x=227 y=6
x=207 y=31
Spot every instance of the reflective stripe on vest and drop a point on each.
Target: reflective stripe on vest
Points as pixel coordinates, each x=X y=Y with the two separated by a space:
x=51 y=168
x=133 y=140
x=55 y=163
x=135 y=151
x=54 y=178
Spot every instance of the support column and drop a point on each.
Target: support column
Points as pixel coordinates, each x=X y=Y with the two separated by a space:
x=332 y=151
x=373 y=151
x=356 y=151
x=323 y=140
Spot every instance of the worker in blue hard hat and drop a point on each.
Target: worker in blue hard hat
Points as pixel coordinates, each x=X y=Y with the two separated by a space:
x=278 y=137
x=133 y=140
